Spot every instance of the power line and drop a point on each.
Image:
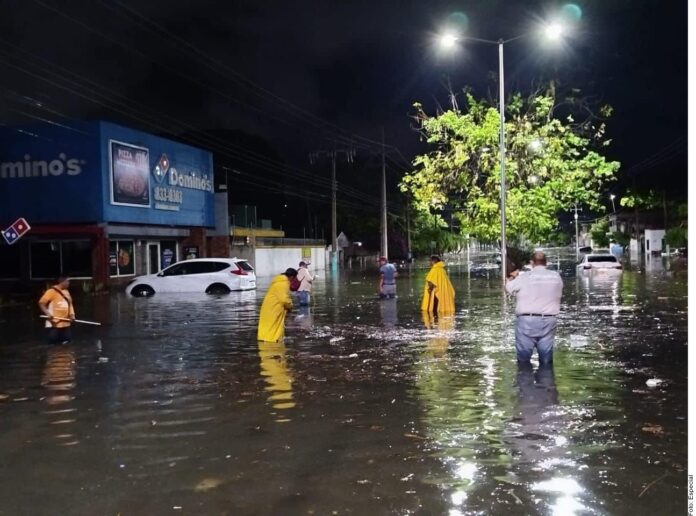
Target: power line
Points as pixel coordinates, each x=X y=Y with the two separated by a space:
x=245 y=155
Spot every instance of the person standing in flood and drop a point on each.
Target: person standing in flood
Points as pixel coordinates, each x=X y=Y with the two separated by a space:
x=538 y=303
x=276 y=304
x=304 y=291
x=56 y=303
x=387 y=278
x=438 y=297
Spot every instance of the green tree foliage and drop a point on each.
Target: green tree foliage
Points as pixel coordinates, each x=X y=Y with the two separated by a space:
x=432 y=235
x=599 y=233
x=621 y=238
x=676 y=237
x=550 y=164
x=647 y=200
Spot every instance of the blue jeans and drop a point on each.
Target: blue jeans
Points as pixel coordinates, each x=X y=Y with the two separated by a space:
x=303 y=297
x=533 y=331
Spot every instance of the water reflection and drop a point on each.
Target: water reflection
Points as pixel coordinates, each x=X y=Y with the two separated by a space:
x=389 y=313
x=274 y=368
x=304 y=319
x=58 y=379
x=437 y=345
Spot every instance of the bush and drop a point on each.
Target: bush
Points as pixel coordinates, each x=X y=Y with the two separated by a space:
x=676 y=237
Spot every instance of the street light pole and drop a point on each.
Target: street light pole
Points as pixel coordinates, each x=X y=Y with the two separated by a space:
x=612 y=197
x=384 y=246
x=503 y=242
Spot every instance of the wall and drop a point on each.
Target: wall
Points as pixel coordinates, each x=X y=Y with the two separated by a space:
x=50 y=174
x=270 y=261
x=66 y=175
x=152 y=180
x=653 y=240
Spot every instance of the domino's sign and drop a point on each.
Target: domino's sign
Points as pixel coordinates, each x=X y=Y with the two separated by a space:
x=30 y=168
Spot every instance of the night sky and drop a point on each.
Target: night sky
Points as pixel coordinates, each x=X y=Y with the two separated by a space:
x=277 y=80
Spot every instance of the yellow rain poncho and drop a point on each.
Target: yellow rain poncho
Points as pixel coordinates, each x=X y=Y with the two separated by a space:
x=273 y=309
x=440 y=299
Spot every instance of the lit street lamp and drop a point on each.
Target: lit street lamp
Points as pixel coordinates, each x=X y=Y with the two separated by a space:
x=612 y=197
x=553 y=32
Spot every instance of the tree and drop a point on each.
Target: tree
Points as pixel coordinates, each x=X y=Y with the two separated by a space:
x=550 y=165
x=676 y=237
x=599 y=231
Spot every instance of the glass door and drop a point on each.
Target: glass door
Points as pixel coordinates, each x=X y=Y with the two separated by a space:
x=153 y=257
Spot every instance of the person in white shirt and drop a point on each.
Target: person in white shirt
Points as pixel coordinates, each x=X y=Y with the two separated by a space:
x=305 y=289
x=538 y=295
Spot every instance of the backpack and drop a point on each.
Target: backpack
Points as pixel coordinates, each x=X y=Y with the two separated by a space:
x=294 y=284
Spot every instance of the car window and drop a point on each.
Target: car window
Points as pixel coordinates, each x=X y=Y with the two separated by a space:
x=175 y=270
x=604 y=258
x=218 y=266
x=244 y=265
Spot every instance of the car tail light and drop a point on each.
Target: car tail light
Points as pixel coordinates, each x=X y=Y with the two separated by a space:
x=239 y=272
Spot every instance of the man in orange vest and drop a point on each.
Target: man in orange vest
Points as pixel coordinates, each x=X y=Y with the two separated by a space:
x=57 y=304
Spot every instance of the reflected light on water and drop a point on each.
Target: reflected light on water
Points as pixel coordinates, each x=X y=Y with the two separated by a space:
x=277 y=374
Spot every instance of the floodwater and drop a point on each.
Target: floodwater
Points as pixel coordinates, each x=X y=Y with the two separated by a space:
x=172 y=407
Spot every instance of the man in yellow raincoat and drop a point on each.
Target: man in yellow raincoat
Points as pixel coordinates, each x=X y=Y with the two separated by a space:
x=438 y=297
x=274 y=307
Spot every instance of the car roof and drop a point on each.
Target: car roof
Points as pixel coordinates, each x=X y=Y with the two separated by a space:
x=226 y=260
x=600 y=255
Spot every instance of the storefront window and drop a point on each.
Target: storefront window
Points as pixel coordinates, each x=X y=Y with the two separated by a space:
x=77 y=259
x=168 y=253
x=45 y=260
x=10 y=261
x=121 y=258
x=72 y=258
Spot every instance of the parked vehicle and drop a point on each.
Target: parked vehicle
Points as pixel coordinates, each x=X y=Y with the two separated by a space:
x=599 y=262
x=209 y=275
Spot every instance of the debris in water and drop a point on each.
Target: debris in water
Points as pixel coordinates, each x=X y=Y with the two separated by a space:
x=336 y=339
x=415 y=436
x=353 y=355
x=207 y=484
x=653 y=382
x=654 y=429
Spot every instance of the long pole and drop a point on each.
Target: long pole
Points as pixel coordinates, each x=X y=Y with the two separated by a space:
x=385 y=250
x=503 y=241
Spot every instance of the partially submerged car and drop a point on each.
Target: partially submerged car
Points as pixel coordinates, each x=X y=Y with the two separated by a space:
x=209 y=275
x=599 y=262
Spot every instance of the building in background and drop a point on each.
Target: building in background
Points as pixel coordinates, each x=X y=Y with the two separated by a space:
x=105 y=202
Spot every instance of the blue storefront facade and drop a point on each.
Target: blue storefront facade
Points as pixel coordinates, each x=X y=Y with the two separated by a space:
x=104 y=201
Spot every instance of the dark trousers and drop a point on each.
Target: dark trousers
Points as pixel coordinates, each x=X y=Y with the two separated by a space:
x=59 y=335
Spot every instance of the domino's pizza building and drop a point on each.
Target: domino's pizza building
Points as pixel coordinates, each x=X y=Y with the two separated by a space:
x=104 y=202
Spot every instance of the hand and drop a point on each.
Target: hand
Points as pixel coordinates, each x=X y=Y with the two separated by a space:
x=514 y=274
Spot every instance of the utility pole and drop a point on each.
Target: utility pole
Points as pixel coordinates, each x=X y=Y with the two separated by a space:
x=664 y=208
x=408 y=233
x=577 y=232
x=349 y=155
x=383 y=225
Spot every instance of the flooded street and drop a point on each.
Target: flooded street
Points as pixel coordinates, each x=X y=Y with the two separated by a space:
x=172 y=407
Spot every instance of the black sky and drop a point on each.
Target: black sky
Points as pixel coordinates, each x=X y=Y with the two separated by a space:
x=284 y=71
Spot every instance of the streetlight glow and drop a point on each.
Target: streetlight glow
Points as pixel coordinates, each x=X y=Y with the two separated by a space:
x=554 y=31
x=448 y=40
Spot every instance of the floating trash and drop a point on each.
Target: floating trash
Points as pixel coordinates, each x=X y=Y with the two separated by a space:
x=653 y=382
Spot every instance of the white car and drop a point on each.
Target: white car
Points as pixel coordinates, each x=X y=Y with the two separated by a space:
x=599 y=263
x=209 y=275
